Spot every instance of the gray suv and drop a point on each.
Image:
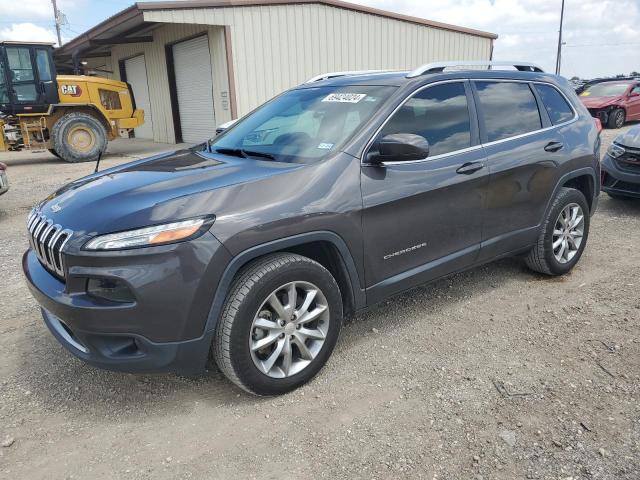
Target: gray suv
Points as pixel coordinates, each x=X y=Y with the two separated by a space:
x=251 y=248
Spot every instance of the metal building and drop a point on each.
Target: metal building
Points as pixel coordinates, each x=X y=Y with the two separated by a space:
x=195 y=64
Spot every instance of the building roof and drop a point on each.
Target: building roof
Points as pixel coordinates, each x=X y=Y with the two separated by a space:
x=129 y=22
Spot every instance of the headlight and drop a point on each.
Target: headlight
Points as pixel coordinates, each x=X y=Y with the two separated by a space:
x=616 y=151
x=150 y=236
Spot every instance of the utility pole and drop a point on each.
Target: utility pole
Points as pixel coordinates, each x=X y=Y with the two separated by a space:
x=559 y=55
x=56 y=15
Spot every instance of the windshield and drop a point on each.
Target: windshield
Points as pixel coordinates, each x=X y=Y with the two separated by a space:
x=605 y=90
x=303 y=125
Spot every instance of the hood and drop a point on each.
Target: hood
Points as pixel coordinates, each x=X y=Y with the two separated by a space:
x=631 y=138
x=168 y=187
x=599 y=102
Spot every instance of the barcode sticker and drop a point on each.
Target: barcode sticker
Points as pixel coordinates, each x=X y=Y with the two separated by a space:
x=344 y=97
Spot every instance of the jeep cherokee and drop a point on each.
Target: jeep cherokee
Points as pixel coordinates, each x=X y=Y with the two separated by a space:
x=326 y=200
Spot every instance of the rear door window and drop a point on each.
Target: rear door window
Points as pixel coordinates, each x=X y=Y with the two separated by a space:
x=440 y=114
x=556 y=105
x=508 y=109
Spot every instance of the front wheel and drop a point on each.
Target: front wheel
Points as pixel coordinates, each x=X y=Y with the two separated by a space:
x=79 y=137
x=563 y=236
x=279 y=324
x=617 y=118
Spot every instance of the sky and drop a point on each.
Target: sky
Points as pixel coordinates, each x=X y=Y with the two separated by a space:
x=602 y=36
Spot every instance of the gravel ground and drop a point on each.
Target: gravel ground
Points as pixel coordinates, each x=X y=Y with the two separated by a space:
x=496 y=373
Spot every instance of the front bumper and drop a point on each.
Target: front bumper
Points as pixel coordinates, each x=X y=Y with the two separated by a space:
x=162 y=330
x=129 y=352
x=619 y=181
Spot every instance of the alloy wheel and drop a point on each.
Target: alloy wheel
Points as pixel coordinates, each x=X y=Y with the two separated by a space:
x=568 y=233
x=289 y=329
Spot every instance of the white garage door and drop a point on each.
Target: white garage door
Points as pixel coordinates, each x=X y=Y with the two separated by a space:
x=137 y=77
x=194 y=85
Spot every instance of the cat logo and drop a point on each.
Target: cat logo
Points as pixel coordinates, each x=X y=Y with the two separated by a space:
x=73 y=90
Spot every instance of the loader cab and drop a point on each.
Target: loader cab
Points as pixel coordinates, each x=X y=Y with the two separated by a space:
x=27 y=78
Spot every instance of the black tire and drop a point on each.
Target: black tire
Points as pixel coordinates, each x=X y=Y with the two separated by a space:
x=541 y=258
x=250 y=289
x=617 y=117
x=53 y=152
x=88 y=133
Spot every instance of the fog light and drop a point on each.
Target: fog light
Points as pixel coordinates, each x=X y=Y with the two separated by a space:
x=108 y=289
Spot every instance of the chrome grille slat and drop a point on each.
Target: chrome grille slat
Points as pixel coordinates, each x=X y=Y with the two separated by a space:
x=47 y=240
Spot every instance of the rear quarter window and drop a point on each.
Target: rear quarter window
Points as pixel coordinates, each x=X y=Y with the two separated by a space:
x=508 y=109
x=557 y=107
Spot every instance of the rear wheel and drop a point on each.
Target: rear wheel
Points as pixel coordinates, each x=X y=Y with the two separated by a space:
x=53 y=152
x=79 y=137
x=279 y=324
x=617 y=118
x=563 y=236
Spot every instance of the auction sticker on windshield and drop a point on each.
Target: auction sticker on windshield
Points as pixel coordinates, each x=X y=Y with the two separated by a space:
x=344 y=97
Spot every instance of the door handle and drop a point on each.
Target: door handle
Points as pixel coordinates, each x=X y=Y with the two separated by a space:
x=553 y=146
x=470 y=167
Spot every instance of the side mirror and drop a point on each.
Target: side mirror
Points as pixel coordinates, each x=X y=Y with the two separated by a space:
x=400 y=147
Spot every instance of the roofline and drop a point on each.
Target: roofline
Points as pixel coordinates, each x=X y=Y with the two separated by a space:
x=177 y=5
x=104 y=26
x=138 y=8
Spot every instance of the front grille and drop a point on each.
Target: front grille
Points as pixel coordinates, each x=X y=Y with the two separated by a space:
x=630 y=161
x=47 y=241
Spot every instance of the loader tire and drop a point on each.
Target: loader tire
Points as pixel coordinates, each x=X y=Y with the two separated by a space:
x=79 y=137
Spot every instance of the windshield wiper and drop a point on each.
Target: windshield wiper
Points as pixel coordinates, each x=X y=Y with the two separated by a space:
x=236 y=152
x=250 y=153
x=239 y=152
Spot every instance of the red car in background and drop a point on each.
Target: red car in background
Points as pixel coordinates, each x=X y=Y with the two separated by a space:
x=613 y=102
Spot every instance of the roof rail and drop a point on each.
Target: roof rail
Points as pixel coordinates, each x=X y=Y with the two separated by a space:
x=440 y=66
x=328 y=75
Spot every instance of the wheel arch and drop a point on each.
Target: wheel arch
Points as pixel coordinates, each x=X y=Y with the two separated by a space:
x=58 y=112
x=583 y=179
x=326 y=248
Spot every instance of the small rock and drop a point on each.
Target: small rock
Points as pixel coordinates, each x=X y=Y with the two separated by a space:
x=8 y=441
x=603 y=452
x=375 y=330
x=509 y=437
x=476 y=458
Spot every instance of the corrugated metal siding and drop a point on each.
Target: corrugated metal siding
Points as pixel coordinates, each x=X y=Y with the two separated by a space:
x=155 y=57
x=267 y=39
x=277 y=47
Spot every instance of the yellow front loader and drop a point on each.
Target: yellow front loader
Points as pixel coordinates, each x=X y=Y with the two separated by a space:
x=72 y=116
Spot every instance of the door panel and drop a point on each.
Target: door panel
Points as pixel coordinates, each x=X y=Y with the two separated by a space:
x=423 y=219
x=523 y=176
x=523 y=153
x=421 y=212
x=136 y=71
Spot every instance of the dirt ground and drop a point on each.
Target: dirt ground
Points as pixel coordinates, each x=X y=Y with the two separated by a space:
x=496 y=373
